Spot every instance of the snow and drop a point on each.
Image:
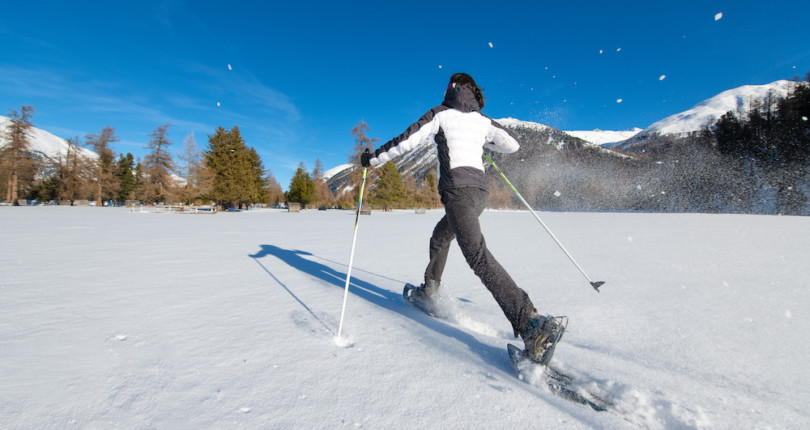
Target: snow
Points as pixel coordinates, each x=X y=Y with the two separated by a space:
x=335 y=170
x=114 y=319
x=718 y=16
x=513 y=122
x=737 y=99
x=44 y=142
x=596 y=137
x=601 y=137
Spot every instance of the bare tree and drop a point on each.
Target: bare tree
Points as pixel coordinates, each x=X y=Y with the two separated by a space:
x=157 y=167
x=191 y=167
x=323 y=196
x=74 y=172
x=105 y=167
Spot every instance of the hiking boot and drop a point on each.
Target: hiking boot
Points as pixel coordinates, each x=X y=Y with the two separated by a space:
x=541 y=336
x=424 y=297
x=428 y=291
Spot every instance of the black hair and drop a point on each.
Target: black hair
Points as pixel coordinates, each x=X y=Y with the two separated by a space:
x=465 y=80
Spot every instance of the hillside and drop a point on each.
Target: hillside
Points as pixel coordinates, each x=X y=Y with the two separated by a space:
x=45 y=147
x=736 y=100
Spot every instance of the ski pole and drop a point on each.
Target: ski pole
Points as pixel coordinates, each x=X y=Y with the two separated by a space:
x=351 y=257
x=595 y=285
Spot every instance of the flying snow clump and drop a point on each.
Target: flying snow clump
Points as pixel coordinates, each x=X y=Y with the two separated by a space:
x=718 y=16
x=490 y=45
x=619 y=100
x=229 y=67
x=662 y=77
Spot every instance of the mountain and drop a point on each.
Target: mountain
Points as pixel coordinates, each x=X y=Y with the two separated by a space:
x=736 y=100
x=49 y=149
x=45 y=147
x=604 y=137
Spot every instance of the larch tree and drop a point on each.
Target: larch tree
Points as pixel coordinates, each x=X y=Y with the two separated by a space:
x=157 y=184
x=191 y=167
x=323 y=196
x=16 y=165
x=106 y=178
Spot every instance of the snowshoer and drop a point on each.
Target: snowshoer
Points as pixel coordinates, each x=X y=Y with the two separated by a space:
x=460 y=133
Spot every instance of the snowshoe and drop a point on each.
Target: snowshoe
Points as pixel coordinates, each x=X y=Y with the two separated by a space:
x=422 y=298
x=542 y=336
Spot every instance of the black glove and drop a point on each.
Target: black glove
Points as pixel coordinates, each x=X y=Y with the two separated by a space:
x=365 y=158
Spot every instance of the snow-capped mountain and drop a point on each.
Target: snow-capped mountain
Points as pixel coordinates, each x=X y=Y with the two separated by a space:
x=45 y=146
x=604 y=137
x=736 y=100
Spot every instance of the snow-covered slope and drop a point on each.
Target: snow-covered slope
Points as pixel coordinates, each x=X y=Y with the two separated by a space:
x=514 y=122
x=44 y=143
x=736 y=100
x=335 y=170
x=702 y=324
x=603 y=137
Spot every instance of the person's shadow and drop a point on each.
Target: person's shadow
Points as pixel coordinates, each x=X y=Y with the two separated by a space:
x=373 y=294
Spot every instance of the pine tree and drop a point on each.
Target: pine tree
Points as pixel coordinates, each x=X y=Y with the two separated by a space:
x=105 y=168
x=16 y=164
x=389 y=190
x=257 y=181
x=236 y=170
x=157 y=167
x=126 y=177
x=302 y=188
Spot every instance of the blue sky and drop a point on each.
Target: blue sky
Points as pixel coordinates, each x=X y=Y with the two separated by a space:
x=296 y=76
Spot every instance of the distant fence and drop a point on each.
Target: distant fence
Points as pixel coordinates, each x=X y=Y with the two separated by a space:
x=186 y=209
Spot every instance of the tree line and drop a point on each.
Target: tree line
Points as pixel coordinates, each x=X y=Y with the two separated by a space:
x=226 y=172
x=770 y=146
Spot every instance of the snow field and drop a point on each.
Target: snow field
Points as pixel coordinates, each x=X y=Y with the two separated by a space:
x=112 y=319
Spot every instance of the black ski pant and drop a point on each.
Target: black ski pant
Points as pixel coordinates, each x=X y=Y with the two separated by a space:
x=462 y=207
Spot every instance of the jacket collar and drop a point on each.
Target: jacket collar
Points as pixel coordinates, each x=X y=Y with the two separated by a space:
x=461 y=98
